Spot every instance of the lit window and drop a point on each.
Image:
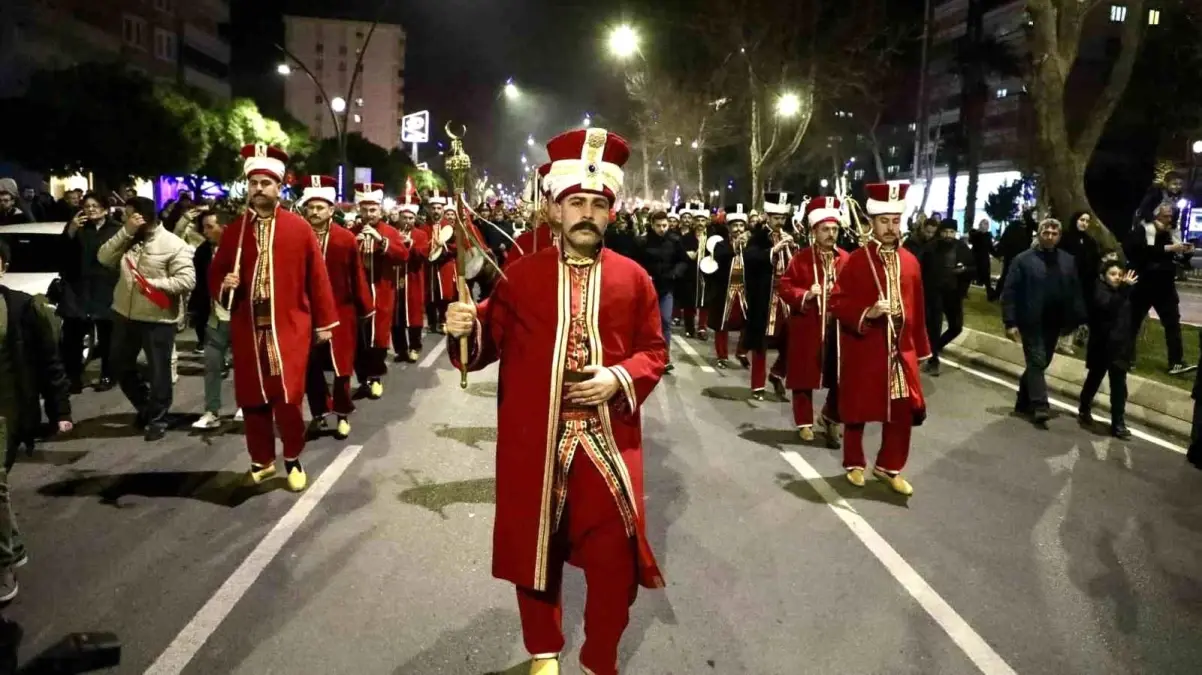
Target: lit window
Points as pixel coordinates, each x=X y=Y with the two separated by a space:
x=1002 y=93
x=859 y=174
x=913 y=126
x=1118 y=13
x=1154 y=17
x=358 y=118
x=892 y=169
x=892 y=150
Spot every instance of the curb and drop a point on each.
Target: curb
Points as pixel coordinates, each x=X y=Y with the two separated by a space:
x=1152 y=404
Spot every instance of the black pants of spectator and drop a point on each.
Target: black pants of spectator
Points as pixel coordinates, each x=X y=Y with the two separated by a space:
x=1194 y=455
x=406 y=339
x=1039 y=345
x=151 y=396
x=1118 y=393
x=1164 y=299
x=985 y=275
x=74 y=333
x=939 y=304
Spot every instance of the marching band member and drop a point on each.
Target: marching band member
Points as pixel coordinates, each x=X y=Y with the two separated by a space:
x=352 y=297
x=726 y=286
x=440 y=273
x=879 y=304
x=767 y=257
x=273 y=280
x=411 y=282
x=544 y=232
x=813 y=331
x=578 y=338
x=384 y=255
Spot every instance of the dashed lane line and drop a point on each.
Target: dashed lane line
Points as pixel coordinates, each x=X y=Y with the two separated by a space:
x=702 y=364
x=434 y=354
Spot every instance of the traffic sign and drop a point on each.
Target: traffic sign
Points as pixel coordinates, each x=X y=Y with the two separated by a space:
x=415 y=127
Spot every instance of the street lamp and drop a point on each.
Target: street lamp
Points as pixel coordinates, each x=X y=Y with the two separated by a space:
x=623 y=42
x=588 y=121
x=284 y=69
x=523 y=159
x=1197 y=147
x=511 y=89
x=788 y=105
x=338 y=104
x=696 y=145
x=530 y=141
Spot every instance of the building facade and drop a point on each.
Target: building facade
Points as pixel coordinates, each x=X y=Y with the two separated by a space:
x=172 y=40
x=329 y=49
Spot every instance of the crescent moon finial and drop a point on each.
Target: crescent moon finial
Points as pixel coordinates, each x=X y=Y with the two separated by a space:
x=452 y=135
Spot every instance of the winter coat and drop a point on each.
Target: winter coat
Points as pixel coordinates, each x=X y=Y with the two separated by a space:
x=163 y=259
x=1032 y=287
x=664 y=260
x=87 y=289
x=1111 y=342
x=33 y=348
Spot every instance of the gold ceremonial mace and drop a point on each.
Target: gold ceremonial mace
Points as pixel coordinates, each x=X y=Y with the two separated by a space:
x=458 y=165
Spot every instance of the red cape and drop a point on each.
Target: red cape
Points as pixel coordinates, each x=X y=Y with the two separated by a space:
x=352 y=296
x=381 y=266
x=302 y=303
x=807 y=317
x=524 y=325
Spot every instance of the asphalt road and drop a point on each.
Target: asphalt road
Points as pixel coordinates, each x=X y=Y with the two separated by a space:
x=1023 y=551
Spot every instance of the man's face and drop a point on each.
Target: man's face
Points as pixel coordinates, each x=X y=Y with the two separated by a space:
x=27 y=194
x=777 y=221
x=660 y=226
x=930 y=229
x=436 y=212
x=585 y=217
x=947 y=235
x=318 y=212
x=450 y=216
x=825 y=234
x=6 y=201
x=264 y=191
x=737 y=229
x=370 y=213
x=408 y=220
x=699 y=225
x=1049 y=235
x=72 y=198
x=1175 y=186
x=212 y=229
x=92 y=210
x=887 y=228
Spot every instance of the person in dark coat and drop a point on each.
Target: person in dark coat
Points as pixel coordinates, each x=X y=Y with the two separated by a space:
x=200 y=303
x=665 y=262
x=981 y=241
x=1015 y=240
x=1151 y=251
x=947 y=268
x=87 y=290
x=1041 y=301
x=1110 y=351
x=765 y=258
x=689 y=295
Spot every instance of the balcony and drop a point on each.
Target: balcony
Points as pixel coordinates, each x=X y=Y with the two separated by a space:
x=214 y=86
x=207 y=43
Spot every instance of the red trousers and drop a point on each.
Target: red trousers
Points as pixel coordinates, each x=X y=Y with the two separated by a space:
x=803 y=407
x=591 y=536
x=759 y=368
x=895 y=441
x=722 y=344
x=288 y=418
x=696 y=319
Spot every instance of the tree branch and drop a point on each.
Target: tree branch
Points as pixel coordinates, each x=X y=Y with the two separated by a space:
x=1120 y=75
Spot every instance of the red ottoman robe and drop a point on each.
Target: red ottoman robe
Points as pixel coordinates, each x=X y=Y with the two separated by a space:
x=865 y=343
x=808 y=317
x=381 y=267
x=413 y=278
x=529 y=243
x=524 y=325
x=302 y=302
x=352 y=294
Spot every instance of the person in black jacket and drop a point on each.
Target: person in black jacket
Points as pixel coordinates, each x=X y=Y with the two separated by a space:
x=87 y=291
x=665 y=261
x=1040 y=302
x=1151 y=250
x=947 y=267
x=1015 y=239
x=1111 y=346
x=981 y=241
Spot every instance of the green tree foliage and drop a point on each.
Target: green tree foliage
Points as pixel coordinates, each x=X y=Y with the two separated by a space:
x=388 y=167
x=1002 y=205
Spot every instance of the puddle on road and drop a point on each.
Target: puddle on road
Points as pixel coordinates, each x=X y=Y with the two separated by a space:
x=482 y=389
x=436 y=497
x=473 y=437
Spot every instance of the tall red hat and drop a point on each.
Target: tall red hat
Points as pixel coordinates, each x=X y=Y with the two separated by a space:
x=438 y=196
x=586 y=160
x=260 y=159
x=369 y=193
x=886 y=199
x=410 y=201
x=824 y=210
x=319 y=187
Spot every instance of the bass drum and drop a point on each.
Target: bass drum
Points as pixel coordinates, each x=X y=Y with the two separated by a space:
x=708 y=265
x=475 y=264
x=445 y=234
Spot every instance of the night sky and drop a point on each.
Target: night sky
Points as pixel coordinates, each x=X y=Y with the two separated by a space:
x=460 y=54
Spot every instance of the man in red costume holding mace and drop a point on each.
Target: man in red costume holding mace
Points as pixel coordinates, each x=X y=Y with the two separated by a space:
x=813 y=331
x=271 y=277
x=411 y=283
x=879 y=304
x=543 y=233
x=383 y=253
x=352 y=296
x=577 y=334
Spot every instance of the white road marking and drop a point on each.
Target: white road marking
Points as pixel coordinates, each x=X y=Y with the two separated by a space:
x=185 y=646
x=968 y=640
x=702 y=364
x=434 y=354
x=1071 y=407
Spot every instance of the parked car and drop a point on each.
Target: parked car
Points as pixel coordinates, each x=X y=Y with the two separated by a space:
x=36 y=256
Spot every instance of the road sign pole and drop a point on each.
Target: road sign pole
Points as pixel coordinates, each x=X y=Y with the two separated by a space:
x=415 y=153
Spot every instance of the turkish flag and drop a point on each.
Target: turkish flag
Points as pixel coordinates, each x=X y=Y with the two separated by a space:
x=155 y=295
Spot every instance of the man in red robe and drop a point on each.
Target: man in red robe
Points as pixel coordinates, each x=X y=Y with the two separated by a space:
x=879 y=304
x=768 y=252
x=441 y=283
x=352 y=296
x=411 y=284
x=383 y=253
x=726 y=291
x=813 y=331
x=271 y=277
x=577 y=334
x=544 y=233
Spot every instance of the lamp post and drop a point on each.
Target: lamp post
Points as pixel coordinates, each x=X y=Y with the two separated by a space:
x=623 y=43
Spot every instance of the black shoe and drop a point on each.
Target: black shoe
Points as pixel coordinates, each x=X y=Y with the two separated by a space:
x=155 y=432
x=1041 y=416
x=105 y=384
x=76 y=387
x=1121 y=432
x=669 y=368
x=932 y=368
x=778 y=387
x=722 y=364
x=1181 y=369
x=744 y=361
x=1085 y=418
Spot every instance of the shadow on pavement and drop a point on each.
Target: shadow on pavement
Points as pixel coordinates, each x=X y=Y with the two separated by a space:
x=482 y=389
x=222 y=488
x=114 y=425
x=472 y=437
x=776 y=439
x=436 y=497
x=873 y=491
x=486 y=641
x=51 y=457
x=739 y=394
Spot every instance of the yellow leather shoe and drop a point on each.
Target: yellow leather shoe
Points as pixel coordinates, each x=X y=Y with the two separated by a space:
x=544 y=667
x=414 y=355
x=258 y=474
x=297 y=479
x=344 y=428
x=806 y=433
x=856 y=477
x=900 y=485
x=376 y=390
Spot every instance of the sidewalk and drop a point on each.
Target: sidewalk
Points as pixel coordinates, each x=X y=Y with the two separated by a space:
x=1152 y=404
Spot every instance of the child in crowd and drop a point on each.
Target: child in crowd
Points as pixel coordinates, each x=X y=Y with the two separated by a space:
x=1111 y=347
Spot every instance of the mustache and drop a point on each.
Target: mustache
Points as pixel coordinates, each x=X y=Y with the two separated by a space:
x=585 y=225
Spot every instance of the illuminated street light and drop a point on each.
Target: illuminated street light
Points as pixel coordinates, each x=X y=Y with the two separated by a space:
x=788 y=105
x=623 y=42
x=588 y=121
x=696 y=145
x=530 y=141
x=1198 y=147
x=511 y=89
x=824 y=183
x=284 y=69
x=338 y=104
x=678 y=141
